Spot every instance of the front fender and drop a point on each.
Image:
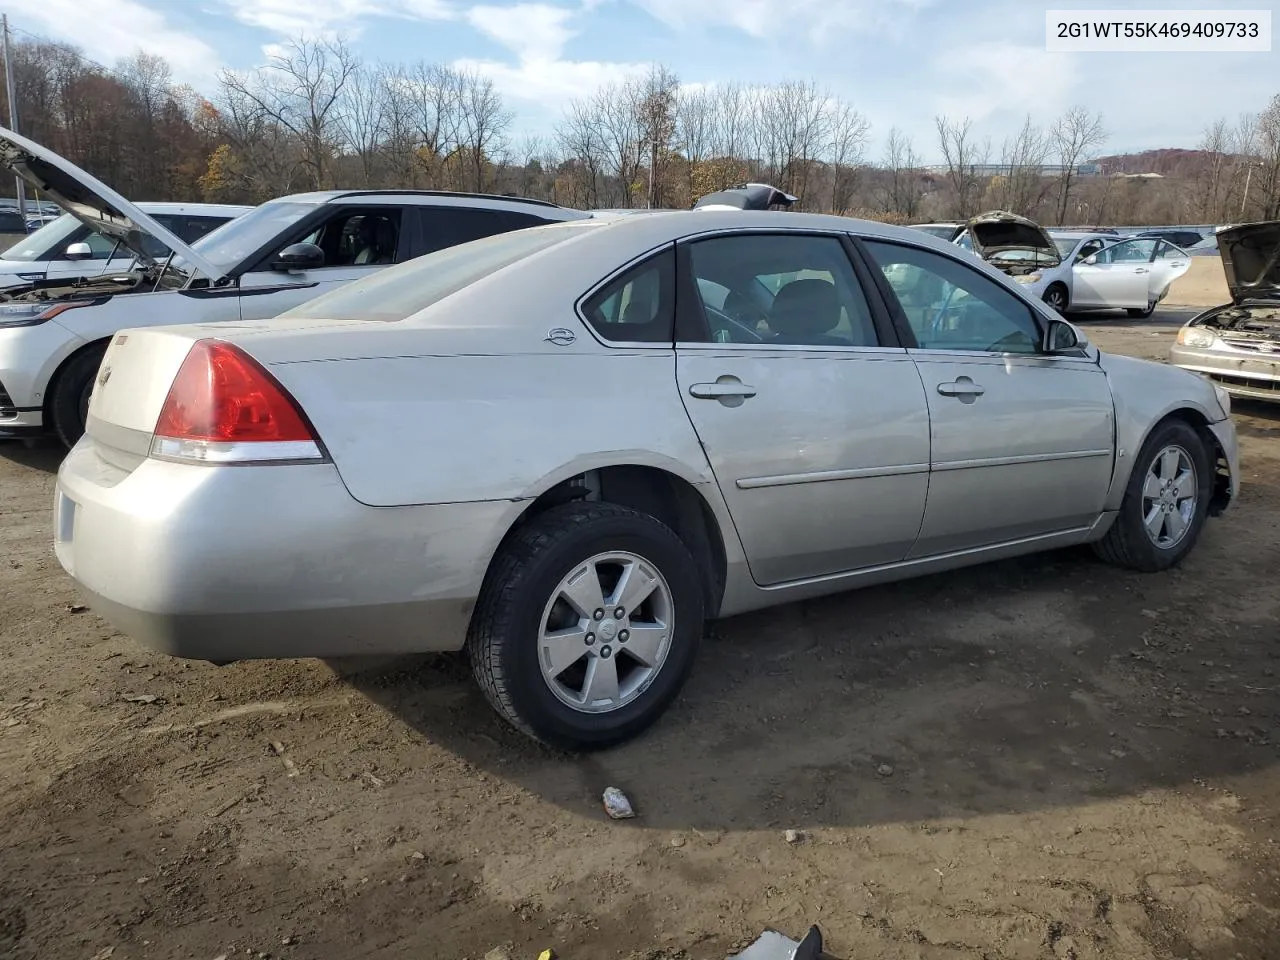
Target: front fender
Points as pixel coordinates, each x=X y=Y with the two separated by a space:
x=1145 y=393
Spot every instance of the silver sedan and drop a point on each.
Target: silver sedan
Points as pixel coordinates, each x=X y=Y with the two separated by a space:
x=566 y=448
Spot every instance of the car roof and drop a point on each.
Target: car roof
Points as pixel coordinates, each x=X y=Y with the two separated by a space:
x=431 y=198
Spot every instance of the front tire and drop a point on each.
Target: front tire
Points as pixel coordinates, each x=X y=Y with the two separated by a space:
x=587 y=625
x=1165 y=503
x=1140 y=314
x=69 y=404
x=1056 y=297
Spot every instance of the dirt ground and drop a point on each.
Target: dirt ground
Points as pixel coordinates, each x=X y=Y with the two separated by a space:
x=1044 y=758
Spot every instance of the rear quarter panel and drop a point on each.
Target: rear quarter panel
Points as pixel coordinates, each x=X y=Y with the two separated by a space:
x=446 y=429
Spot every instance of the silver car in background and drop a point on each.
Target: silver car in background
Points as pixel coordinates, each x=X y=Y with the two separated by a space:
x=1237 y=344
x=566 y=448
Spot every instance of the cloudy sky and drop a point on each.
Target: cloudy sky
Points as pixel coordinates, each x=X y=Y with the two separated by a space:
x=900 y=61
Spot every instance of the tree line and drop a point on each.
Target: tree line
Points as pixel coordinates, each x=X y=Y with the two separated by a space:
x=316 y=116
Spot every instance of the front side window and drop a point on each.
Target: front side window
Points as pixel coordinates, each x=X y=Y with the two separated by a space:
x=784 y=289
x=358 y=238
x=228 y=246
x=638 y=306
x=1088 y=249
x=1129 y=251
x=952 y=307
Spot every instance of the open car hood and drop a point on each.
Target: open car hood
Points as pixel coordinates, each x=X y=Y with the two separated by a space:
x=751 y=196
x=1251 y=260
x=998 y=230
x=92 y=202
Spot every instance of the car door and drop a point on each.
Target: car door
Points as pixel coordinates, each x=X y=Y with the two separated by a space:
x=812 y=415
x=1168 y=264
x=1083 y=251
x=1118 y=276
x=1021 y=442
x=356 y=241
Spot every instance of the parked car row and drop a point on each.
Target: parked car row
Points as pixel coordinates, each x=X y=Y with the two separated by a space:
x=397 y=456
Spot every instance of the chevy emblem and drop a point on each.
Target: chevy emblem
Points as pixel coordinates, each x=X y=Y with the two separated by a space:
x=560 y=336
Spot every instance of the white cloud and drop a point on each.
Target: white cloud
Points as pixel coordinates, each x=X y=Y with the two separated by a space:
x=550 y=83
x=763 y=19
x=537 y=34
x=530 y=30
x=109 y=29
x=292 y=17
x=996 y=77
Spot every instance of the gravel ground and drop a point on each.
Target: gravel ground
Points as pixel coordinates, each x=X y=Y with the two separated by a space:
x=1043 y=758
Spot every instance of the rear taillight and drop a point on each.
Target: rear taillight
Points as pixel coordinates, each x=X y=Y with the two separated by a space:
x=224 y=407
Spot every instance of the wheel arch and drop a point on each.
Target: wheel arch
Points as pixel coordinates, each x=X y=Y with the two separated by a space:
x=665 y=494
x=55 y=378
x=1200 y=423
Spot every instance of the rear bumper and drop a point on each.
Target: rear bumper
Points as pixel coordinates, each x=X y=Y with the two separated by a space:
x=1240 y=374
x=254 y=562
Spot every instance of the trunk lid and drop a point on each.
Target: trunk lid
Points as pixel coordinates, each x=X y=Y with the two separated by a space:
x=92 y=202
x=1251 y=260
x=998 y=231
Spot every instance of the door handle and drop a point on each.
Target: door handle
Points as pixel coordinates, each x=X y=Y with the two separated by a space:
x=964 y=388
x=722 y=389
x=1141 y=270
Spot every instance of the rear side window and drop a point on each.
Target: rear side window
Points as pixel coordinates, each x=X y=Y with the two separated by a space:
x=402 y=291
x=639 y=305
x=444 y=227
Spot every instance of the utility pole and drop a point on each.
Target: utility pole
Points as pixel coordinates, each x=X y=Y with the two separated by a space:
x=19 y=185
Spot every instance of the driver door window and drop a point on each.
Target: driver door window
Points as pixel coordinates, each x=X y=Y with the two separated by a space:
x=358 y=238
x=1129 y=252
x=952 y=307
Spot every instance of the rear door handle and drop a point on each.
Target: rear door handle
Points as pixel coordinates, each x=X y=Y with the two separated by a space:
x=722 y=389
x=964 y=388
x=1141 y=270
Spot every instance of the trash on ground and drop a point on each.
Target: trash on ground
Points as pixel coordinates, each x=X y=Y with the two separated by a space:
x=793 y=836
x=617 y=805
x=140 y=698
x=884 y=770
x=773 y=945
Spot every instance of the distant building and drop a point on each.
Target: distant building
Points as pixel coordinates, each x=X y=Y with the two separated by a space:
x=1091 y=169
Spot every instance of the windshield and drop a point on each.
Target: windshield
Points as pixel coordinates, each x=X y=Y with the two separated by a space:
x=1065 y=245
x=227 y=246
x=42 y=244
x=399 y=292
x=943 y=231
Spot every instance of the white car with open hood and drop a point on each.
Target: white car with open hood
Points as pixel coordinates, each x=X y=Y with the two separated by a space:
x=54 y=330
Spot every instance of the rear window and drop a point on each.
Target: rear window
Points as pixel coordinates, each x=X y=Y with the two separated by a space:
x=399 y=292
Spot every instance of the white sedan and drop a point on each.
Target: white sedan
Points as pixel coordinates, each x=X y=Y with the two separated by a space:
x=1100 y=274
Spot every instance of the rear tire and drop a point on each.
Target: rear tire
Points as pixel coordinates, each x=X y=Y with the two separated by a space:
x=71 y=390
x=1130 y=542
x=524 y=610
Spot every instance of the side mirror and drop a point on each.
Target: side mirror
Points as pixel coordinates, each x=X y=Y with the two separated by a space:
x=298 y=256
x=1091 y=260
x=1062 y=337
x=79 y=251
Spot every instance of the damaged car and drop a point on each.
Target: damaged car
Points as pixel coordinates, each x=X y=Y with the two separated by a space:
x=1078 y=271
x=54 y=330
x=1237 y=344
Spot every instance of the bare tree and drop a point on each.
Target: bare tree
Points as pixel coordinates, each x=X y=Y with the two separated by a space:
x=964 y=154
x=484 y=123
x=1212 y=179
x=582 y=139
x=694 y=131
x=903 y=192
x=616 y=110
x=362 y=119
x=656 y=109
x=847 y=131
x=300 y=89
x=1267 y=170
x=1075 y=135
x=1022 y=159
